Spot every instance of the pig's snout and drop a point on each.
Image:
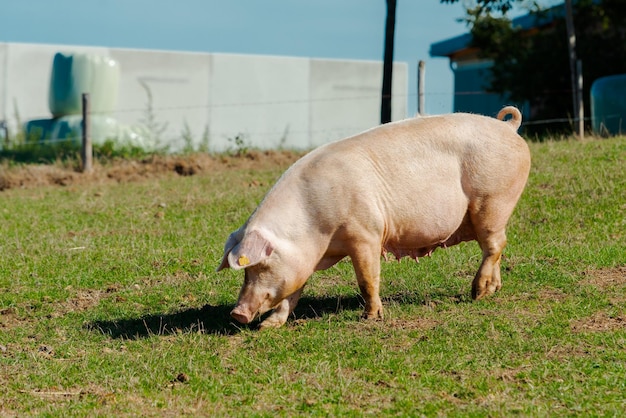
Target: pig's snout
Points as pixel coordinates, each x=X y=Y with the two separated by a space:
x=242 y=315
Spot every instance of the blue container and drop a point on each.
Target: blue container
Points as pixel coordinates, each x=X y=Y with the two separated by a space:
x=608 y=105
x=46 y=131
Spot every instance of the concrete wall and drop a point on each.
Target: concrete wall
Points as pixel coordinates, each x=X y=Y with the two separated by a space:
x=267 y=101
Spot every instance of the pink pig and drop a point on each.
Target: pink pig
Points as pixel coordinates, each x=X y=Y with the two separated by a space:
x=406 y=187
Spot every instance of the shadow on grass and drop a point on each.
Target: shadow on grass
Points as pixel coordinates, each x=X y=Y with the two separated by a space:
x=216 y=319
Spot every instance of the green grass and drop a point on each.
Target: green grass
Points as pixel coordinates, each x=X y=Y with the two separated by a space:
x=110 y=306
x=66 y=151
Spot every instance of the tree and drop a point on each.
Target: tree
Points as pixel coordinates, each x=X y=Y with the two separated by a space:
x=489 y=6
x=385 y=105
x=533 y=66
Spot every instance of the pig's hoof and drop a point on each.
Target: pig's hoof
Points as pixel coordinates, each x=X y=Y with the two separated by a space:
x=267 y=324
x=373 y=315
x=478 y=294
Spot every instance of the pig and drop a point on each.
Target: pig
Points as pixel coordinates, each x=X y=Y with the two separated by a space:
x=405 y=188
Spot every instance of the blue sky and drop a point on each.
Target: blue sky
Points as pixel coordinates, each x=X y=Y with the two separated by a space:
x=343 y=29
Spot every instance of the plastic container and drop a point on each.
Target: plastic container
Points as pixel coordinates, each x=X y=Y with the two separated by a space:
x=608 y=105
x=75 y=74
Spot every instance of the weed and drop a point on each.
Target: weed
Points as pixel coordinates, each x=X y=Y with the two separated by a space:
x=154 y=129
x=239 y=145
x=187 y=138
x=205 y=141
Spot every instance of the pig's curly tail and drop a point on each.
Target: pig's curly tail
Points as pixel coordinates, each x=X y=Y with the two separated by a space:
x=516 y=116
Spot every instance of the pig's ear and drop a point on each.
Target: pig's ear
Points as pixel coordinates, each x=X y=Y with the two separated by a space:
x=231 y=242
x=252 y=249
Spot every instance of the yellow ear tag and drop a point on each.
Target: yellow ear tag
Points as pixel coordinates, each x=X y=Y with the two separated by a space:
x=243 y=261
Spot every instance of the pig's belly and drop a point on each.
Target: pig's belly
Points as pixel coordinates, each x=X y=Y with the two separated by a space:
x=418 y=230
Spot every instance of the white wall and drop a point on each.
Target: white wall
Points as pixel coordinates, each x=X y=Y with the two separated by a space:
x=268 y=101
x=345 y=97
x=264 y=98
x=179 y=85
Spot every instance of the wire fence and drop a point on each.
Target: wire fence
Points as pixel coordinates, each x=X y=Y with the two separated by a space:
x=160 y=116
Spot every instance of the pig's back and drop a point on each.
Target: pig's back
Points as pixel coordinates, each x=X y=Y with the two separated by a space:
x=414 y=178
x=409 y=178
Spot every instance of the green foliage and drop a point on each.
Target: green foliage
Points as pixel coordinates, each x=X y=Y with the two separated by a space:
x=205 y=141
x=36 y=149
x=34 y=152
x=109 y=305
x=153 y=129
x=66 y=151
x=188 y=140
x=239 y=145
x=483 y=7
x=111 y=149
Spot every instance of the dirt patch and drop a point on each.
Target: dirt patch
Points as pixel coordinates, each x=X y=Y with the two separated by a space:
x=512 y=374
x=552 y=294
x=36 y=176
x=9 y=318
x=82 y=301
x=611 y=281
x=529 y=309
x=121 y=170
x=568 y=351
x=600 y=322
x=606 y=279
x=420 y=324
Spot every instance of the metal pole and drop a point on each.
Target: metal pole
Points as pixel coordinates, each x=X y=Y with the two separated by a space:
x=421 y=72
x=385 y=106
x=571 y=45
x=581 y=104
x=86 y=149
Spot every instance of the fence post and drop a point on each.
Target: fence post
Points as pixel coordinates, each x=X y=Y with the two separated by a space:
x=421 y=71
x=86 y=153
x=5 y=127
x=571 y=45
x=581 y=104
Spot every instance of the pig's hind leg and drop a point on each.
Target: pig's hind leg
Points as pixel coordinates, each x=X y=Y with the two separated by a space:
x=489 y=223
x=282 y=311
x=487 y=280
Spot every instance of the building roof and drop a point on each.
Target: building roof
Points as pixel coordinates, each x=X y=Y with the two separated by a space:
x=451 y=46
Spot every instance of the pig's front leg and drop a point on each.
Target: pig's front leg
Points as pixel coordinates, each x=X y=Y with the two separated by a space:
x=366 y=261
x=282 y=311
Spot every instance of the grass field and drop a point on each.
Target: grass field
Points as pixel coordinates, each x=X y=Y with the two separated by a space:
x=110 y=306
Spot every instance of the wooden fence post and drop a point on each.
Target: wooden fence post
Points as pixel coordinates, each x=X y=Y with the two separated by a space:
x=580 y=100
x=86 y=149
x=421 y=83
